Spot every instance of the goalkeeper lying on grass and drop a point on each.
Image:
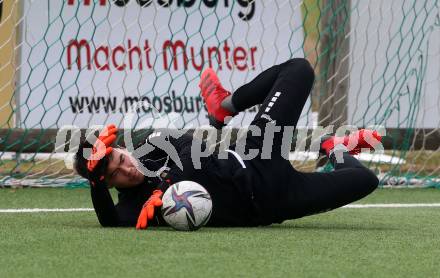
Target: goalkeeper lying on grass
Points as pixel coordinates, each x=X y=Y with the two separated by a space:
x=244 y=192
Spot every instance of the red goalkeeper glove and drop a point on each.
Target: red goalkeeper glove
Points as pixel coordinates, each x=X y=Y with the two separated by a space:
x=147 y=212
x=102 y=147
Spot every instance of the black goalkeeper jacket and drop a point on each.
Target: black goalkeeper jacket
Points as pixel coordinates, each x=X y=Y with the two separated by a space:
x=227 y=181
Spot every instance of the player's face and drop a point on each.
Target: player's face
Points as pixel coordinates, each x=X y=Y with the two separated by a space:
x=121 y=170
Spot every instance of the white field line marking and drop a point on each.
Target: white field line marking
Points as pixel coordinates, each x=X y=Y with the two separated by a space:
x=36 y=210
x=421 y=205
x=33 y=210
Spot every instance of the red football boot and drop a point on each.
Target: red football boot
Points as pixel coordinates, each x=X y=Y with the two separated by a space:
x=359 y=138
x=213 y=94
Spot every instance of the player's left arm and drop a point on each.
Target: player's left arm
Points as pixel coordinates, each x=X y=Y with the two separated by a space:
x=182 y=144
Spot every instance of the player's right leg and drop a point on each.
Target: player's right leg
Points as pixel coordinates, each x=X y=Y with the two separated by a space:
x=281 y=109
x=221 y=103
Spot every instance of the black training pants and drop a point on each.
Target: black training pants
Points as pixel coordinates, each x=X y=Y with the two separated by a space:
x=279 y=191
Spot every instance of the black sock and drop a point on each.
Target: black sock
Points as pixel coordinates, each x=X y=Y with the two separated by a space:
x=228 y=105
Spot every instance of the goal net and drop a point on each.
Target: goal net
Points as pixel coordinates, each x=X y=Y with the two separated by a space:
x=76 y=64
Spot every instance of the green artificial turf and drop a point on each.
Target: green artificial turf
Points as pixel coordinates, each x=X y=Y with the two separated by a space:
x=397 y=242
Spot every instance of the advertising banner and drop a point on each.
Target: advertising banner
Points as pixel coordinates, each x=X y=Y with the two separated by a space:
x=86 y=62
